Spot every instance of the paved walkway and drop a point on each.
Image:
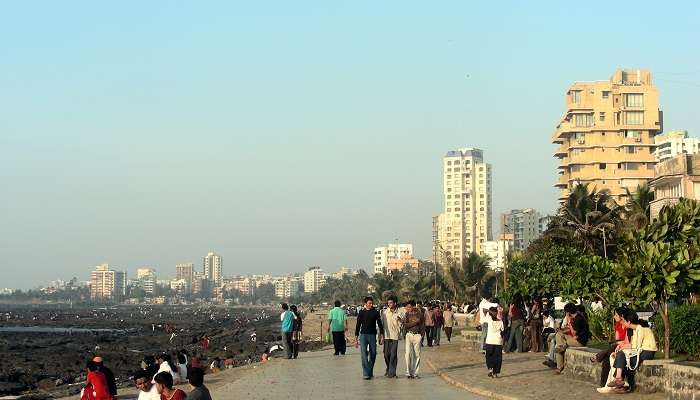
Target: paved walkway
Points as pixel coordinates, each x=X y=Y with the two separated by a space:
x=522 y=377
x=320 y=375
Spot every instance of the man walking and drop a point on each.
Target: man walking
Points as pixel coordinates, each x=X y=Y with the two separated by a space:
x=449 y=320
x=287 y=318
x=368 y=320
x=392 y=332
x=414 y=324
x=429 y=323
x=338 y=325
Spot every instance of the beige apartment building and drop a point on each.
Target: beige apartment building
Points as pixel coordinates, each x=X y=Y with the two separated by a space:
x=606 y=136
x=107 y=284
x=465 y=223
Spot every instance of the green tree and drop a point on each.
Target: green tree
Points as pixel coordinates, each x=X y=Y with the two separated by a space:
x=542 y=273
x=660 y=263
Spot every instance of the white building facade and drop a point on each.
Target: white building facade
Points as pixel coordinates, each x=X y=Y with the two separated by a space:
x=673 y=143
x=523 y=224
x=383 y=254
x=213 y=270
x=497 y=251
x=314 y=278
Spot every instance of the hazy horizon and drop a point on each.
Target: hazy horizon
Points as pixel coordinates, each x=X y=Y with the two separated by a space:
x=143 y=134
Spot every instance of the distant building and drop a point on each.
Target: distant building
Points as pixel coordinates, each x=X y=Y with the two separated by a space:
x=497 y=251
x=343 y=271
x=523 y=224
x=146 y=278
x=106 y=284
x=544 y=223
x=185 y=271
x=245 y=285
x=199 y=284
x=314 y=278
x=213 y=269
x=398 y=264
x=286 y=288
x=180 y=286
x=675 y=178
x=673 y=143
x=466 y=220
x=383 y=254
x=606 y=135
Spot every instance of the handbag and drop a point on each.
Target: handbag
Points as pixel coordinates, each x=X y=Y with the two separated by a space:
x=629 y=353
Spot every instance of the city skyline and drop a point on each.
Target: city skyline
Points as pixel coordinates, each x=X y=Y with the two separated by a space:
x=146 y=135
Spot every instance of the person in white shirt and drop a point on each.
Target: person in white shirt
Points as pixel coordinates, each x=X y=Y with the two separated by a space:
x=147 y=390
x=484 y=306
x=494 y=342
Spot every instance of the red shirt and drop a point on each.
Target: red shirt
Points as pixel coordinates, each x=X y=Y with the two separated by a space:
x=178 y=395
x=97 y=380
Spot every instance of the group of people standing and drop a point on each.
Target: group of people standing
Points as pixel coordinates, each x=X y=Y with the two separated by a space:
x=292 y=323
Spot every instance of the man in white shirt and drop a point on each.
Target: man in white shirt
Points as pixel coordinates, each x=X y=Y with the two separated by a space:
x=391 y=320
x=147 y=390
x=484 y=306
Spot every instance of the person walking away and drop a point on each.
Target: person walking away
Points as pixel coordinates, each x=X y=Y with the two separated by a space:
x=429 y=324
x=337 y=326
x=109 y=375
x=297 y=331
x=535 y=323
x=96 y=384
x=164 y=385
x=576 y=335
x=392 y=332
x=197 y=389
x=287 y=319
x=516 y=313
x=369 y=323
x=414 y=324
x=449 y=320
x=494 y=343
x=147 y=390
x=437 y=324
x=482 y=311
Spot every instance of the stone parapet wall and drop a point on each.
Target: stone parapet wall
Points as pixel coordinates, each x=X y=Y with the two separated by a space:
x=472 y=340
x=677 y=380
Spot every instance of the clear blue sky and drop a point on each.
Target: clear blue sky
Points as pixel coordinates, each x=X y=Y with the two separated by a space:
x=289 y=134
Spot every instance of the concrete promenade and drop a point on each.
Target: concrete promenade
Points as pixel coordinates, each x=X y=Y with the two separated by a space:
x=320 y=375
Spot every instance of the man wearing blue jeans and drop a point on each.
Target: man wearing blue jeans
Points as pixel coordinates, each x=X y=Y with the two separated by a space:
x=369 y=323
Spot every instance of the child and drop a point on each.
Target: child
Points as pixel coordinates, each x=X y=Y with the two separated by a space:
x=494 y=342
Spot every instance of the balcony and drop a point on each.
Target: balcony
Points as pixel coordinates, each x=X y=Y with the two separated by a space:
x=656 y=205
x=563 y=181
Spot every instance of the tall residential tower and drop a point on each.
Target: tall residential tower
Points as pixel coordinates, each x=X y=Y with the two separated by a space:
x=606 y=135
x=466 y=221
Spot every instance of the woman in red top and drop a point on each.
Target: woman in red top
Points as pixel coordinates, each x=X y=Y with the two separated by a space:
x=164 y=385
x=621 y=338
x=96 y=383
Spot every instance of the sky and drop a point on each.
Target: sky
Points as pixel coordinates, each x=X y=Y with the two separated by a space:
x=283 y=135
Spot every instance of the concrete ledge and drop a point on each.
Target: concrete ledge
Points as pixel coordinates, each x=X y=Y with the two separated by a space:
x=678 y=381
x=472 y=340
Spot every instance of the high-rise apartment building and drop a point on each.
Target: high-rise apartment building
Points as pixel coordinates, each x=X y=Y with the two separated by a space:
x=466 y=221
x=606 y=135
x=523 y=224
x=382 y=255
x=184 y=271
x=286 y=288
x=314 y=278
x=675 y=178
x=147 y=280
x=212 y=269
x=673 y=143
x=497 y=251
x=107 y=284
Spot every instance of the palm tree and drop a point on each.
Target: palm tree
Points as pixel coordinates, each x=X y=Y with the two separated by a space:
x=638 y=207
x=589 y=217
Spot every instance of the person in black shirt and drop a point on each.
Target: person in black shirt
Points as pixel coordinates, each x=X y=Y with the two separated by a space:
x=575 y=335
x=368 y=320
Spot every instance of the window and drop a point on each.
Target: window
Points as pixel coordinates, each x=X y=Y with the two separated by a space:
x=634 y=117
x=601 y=116
x=576 y=96
x=633 y=134
x=449 y=163
x=455 y=169
x=601 y=166
x=606 y=94
x=583 y=119
x=575 y=168
x=634 y=100
x=449 y=176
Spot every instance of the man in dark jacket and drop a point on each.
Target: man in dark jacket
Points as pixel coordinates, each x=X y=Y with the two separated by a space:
x=368 y=319
x=196 y=378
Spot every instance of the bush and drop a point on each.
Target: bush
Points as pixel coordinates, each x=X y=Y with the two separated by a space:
x=685 y=325
x=600 y=323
